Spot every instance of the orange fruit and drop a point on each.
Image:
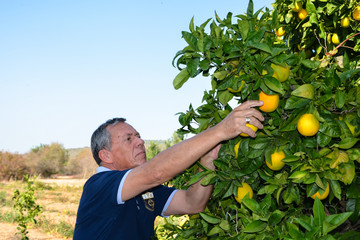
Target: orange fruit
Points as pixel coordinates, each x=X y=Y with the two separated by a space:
x=280 y=32
x=356 y=13
x=335 y=39
x=276 y=161
x=243 y=191
x=250 y=126
x=271 y=102
x=324 y=195
x=302 y=14
x=308 y=125
x=345 y=22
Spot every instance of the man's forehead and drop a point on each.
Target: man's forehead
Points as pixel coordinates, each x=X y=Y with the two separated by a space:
x=122 y=128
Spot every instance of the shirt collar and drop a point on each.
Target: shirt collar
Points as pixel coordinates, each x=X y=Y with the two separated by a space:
x=102 y=169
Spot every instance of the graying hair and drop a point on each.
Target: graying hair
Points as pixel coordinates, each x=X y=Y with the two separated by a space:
x=101 y=138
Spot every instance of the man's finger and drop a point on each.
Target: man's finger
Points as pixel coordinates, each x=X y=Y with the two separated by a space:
x=249 y=104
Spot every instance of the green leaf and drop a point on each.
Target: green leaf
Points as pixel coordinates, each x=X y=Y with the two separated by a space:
x=181 y=78
x=348 y=142
x=274 y=84
x=340 y=99
x=353 y=205
x=296 y=102
x=220 y=74
x=348 y=74
x=197 y=177
x=319 y=213
x=210 y=218
x=224 y=224
x=330 y=128
x=291 y=194
x=305 y=222
x=255 y=226
x=225 y=97
x=259 y=143
x=304 y=91
x=310 y=64
x=333 y=221
x=243 y=28
x=294 y=231
x=258 y=45
x=250 y=9
x=215 y=230
x=208 y=179
x=192 y=65
x=335 y=188
x=191 y=25
x=190 y=39
x=251 y=204
x=347 y=171
x=276 y=217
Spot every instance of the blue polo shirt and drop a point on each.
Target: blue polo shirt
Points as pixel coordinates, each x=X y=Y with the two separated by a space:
x=103 y=215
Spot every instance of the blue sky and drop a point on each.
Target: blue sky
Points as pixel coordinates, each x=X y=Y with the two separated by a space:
x=67 y=66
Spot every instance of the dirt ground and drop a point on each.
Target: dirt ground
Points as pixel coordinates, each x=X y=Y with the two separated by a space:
x=7 y=232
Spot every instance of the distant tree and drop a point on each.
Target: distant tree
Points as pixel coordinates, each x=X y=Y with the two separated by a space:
x=82 y=164
x=12 y=166
x=176 y=138
x=153 y=149
x=47 y=160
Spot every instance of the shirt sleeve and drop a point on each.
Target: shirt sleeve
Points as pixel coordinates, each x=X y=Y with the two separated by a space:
x=168 y=203
x=163 y=196
x=119 y=200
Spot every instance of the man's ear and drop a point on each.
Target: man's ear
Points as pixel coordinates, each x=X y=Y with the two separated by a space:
x=105 y=156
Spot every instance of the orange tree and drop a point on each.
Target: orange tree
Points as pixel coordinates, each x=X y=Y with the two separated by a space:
x=245 y=55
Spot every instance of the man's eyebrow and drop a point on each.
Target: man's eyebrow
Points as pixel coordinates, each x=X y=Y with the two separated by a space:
x=132 y=134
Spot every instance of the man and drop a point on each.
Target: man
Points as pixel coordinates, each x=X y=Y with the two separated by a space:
x=123 y=198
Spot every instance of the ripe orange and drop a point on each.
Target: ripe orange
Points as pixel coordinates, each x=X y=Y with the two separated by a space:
x=243 y=191
x=335 y=39
x=271 y=102
x=324 y=195
x=356 y=13
x=280 y=32
x=308 y=125
x=345 y=22
x=250 y=126
x=276 y=161
x=302 y=14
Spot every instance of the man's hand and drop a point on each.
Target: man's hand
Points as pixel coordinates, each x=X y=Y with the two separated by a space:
x=208 y=159
x=235 y=121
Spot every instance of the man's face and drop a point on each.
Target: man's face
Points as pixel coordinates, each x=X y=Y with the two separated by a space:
x=127 y=148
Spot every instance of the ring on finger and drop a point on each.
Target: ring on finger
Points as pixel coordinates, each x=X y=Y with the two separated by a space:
x=247 y=119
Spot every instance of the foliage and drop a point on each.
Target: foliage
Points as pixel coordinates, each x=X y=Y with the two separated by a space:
x=26 y=207
x=80 y=162
x=47 y=160
x=152 y=150
x=12 y=166
x=239 y=55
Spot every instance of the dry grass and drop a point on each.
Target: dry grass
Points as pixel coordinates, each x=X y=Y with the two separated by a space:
x=59 y=199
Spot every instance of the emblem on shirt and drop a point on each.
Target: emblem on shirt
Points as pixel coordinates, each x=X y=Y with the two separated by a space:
x=149 y=201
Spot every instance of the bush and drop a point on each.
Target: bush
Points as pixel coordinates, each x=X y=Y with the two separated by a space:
x=12 y=166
